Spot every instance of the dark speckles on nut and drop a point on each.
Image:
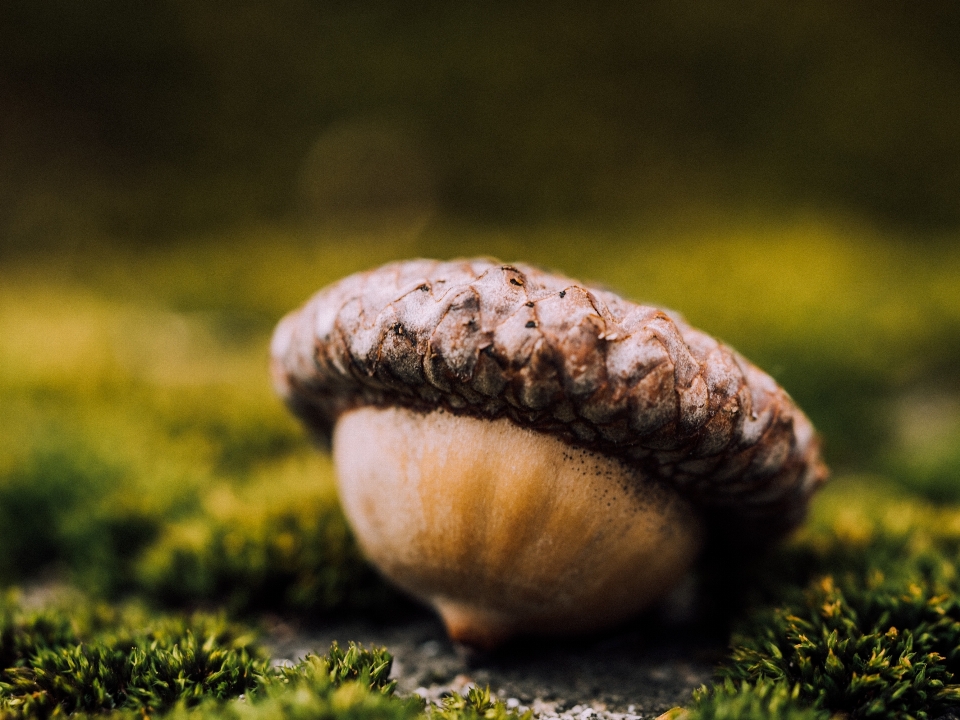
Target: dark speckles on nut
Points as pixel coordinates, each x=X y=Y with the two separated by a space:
x=479 y=337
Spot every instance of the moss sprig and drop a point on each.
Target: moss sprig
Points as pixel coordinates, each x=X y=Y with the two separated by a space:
x=96 y=661
x=763 y=700
x=865 y=649
x=370 y=668
x=53 y=665
x=477 y=704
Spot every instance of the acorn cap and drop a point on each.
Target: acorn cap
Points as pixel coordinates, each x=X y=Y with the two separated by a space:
x=481 y=338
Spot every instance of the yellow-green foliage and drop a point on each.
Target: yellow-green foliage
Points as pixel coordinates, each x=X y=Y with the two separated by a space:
x=477 y=704
x=141 y=446
x=870 y=649
x=93 y=660
x=858 y=615
x=142 y=449
x=294 y=552
x=763 y=700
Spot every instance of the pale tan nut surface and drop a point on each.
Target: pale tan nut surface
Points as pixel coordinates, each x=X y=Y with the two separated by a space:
x=486 y=339
x=505 y=530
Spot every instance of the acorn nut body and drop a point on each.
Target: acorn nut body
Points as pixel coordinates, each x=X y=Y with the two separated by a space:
x=530 y=455
x=498 y=527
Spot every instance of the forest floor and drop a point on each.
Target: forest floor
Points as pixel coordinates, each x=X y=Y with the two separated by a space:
x=622 y=675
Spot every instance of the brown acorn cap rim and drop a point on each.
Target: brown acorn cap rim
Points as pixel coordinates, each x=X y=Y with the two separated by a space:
x=488 y=339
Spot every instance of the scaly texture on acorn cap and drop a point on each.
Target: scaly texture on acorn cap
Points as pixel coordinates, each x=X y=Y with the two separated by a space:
x=482 y=338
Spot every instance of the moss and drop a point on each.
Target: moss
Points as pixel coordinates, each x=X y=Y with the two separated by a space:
x=928 y=462
x=870 y=650
x=859 y=615
x=142 y=451
x=54 y=665
x=296 y=554
x=370 y=668
x=477 y=704
x=97 y=660
x=55 y=507
x=763 y=700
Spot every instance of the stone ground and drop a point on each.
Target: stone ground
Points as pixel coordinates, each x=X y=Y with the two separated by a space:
x=628 y=674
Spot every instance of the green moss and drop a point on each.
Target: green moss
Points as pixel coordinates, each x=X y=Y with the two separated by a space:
x=370 y=668
x=96 y=661
x=871 y=650
x=477 y=704
x=930 y=465
x=314 y=697
x=143 y=452
x=859 y=615
x=59 y=506
x=53 y=665
x=763 y=700
x=299 y=558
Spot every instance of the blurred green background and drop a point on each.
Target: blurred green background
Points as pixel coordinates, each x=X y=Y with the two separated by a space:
x=159 y=117
x=175 y=176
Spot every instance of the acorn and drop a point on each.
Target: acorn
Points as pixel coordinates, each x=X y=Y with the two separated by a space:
x=529 y=454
